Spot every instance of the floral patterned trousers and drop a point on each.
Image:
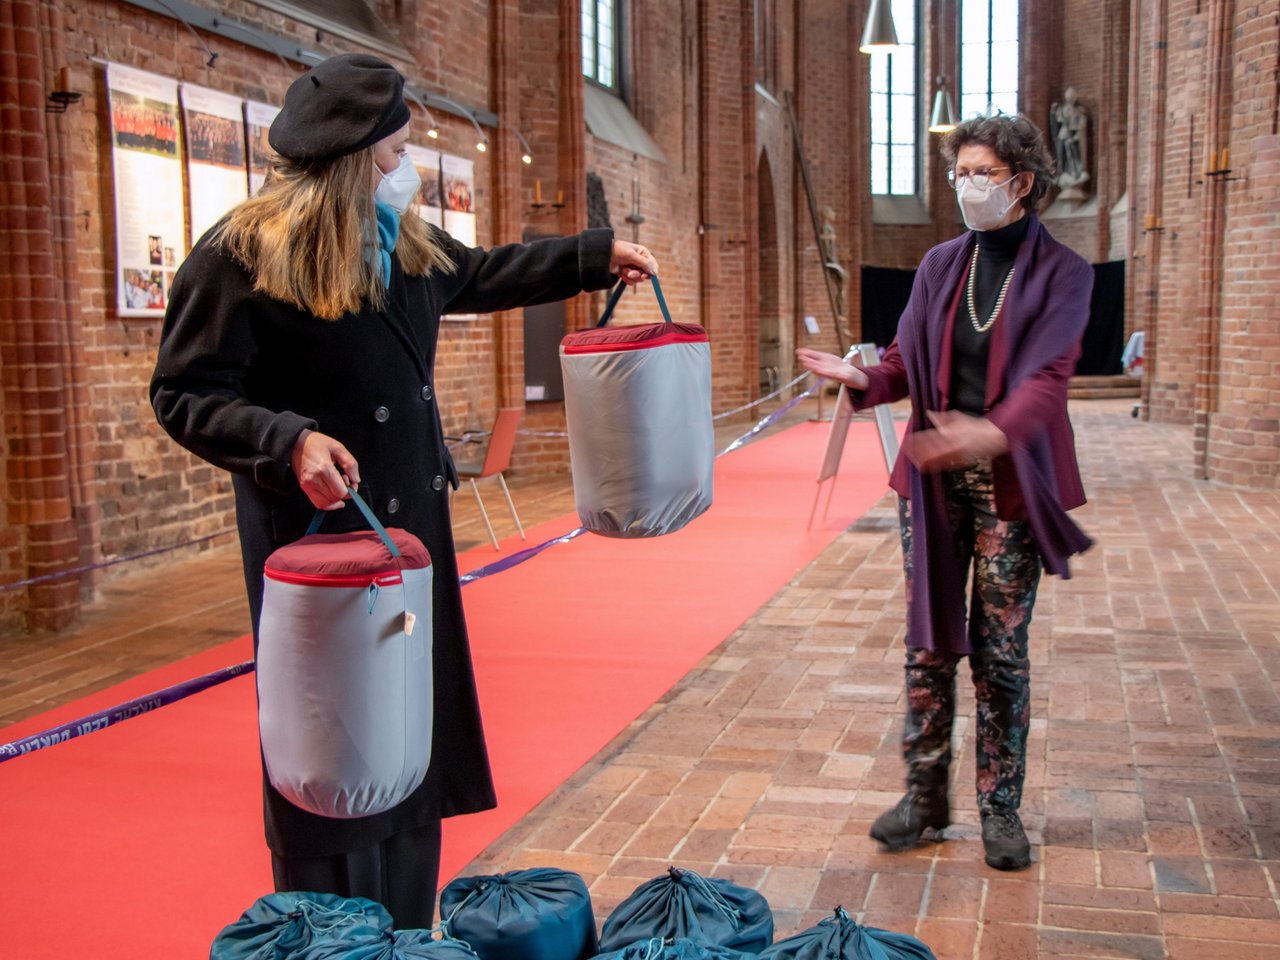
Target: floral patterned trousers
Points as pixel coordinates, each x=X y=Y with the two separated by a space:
x=1006 y=573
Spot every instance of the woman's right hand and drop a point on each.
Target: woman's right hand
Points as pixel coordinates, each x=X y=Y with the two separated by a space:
x=324 y=468
x=832 y=367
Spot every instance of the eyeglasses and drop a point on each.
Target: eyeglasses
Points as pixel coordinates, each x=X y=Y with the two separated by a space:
x=979 y=178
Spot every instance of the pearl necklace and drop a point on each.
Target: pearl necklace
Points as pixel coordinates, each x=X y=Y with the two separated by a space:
x=973 y=310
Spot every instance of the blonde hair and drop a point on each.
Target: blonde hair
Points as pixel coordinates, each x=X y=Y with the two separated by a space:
x=305 y=237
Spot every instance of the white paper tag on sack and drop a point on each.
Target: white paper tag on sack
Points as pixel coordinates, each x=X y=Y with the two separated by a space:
x=410 y=618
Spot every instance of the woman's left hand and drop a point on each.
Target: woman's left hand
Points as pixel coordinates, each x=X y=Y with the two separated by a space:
x=956 y=441
x=632 y=262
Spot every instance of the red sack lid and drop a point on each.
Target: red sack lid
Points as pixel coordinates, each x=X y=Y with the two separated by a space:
x=640 y=336
x=356 y=554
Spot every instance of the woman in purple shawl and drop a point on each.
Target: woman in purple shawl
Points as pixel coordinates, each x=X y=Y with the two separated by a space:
x=984 y=349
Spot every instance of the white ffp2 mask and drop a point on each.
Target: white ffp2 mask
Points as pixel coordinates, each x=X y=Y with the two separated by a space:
x=398 y=188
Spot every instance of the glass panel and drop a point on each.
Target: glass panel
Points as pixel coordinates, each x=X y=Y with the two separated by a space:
x=972 y=105
x=879 y=72
x=589 y=38
x=904 y=20
x=902 y=179
x=879 y=119
x=902 y=118
x=973 y=21
x=879 y=170
x=903 y=70
x=604 y=11
x=1004 y=20
x=1004 y=67
x=973 y=69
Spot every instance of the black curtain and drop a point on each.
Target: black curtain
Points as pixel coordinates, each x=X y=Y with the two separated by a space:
x=885 y=292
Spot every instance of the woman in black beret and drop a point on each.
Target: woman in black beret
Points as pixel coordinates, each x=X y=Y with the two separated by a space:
x=298 y=352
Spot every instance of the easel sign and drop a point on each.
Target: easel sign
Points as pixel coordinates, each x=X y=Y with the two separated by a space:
x=840 y=420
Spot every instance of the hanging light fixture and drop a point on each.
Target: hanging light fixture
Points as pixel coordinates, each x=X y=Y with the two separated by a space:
x=526 y=156
x=943 y=117
x=879 y=35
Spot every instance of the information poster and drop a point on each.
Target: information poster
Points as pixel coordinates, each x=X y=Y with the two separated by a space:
x=146 y=162
x=429 y=205
x=257 y=122
x=214 y=124
x=458 y=177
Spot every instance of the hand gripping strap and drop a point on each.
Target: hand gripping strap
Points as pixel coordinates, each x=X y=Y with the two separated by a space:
x=378 y=528
x=617 y=295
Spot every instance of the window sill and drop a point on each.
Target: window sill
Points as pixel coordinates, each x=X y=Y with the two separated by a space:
x=608 y=118
x=899 y=210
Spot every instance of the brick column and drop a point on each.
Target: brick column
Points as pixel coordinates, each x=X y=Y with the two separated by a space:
x=508 y=188
x=34 y=351
x=573 y=143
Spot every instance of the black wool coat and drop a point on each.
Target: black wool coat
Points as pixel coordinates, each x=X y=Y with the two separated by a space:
x=240 y=375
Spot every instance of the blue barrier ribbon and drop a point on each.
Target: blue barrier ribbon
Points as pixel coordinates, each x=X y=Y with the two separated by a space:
x=118 y=714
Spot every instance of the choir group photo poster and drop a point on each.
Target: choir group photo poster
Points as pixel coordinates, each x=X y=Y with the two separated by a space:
x=146 y=157
x=217 y=177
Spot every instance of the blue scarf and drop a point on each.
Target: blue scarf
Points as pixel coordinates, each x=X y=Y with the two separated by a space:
x=388 y=223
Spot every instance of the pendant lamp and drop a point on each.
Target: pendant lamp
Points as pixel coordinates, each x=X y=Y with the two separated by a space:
x=943 y=117
x=879 y=36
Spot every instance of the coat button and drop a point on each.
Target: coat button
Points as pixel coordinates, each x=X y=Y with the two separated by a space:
x=393 y=505
x=437 y=483
x=426 y=392
x=382 y=414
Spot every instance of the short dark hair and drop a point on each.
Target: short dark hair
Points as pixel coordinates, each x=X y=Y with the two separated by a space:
x=1016 y=141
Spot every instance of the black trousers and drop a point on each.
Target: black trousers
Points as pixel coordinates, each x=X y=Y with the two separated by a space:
x=401 y=873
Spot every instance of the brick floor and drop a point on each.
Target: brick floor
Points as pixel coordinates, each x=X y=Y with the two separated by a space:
x=1153 y=791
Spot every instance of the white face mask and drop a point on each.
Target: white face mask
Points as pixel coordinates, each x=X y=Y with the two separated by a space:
x=984 y=207
x=398 y=188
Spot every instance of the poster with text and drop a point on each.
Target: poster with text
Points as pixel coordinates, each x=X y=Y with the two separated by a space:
x=257 y=121
x=458 y=182
x=427 y=161
x=146 y=161
x=214 y=125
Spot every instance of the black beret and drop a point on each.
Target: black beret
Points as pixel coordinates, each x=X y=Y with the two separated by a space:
x=342 y=105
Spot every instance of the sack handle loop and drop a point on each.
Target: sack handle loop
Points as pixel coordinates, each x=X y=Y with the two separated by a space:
x=616 y=295
x=378 y=528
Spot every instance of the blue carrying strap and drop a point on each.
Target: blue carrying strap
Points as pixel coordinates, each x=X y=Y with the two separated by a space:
x=617 y=295
x=378 y=528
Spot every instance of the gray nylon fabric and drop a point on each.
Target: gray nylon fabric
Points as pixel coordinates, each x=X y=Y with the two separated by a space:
x=641 y=438
x=345 y=699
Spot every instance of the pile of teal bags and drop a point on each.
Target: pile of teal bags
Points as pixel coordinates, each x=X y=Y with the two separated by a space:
x=683 y=905
x=680 y=948
x=838 y=937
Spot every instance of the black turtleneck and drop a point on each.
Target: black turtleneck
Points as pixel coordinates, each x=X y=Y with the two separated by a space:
x=969 y=348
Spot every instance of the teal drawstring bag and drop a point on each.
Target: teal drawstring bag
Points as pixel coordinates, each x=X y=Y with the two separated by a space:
x=280 y=925
x=537 y=914
x=677 y=949
x=839 y=937
x=401 y=945
x=684 y=904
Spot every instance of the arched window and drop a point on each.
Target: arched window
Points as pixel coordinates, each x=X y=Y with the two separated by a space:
x=988 y=57
x=602 y=41
x=895 y=112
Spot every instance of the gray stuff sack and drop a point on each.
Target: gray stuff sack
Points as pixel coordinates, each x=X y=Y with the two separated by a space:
x=637 y=405
x=345 y=685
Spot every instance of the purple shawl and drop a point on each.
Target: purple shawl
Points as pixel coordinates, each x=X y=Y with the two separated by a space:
x=1038 y=341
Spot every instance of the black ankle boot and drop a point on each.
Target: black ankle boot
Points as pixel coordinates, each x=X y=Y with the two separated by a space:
x=1004 y=840
x=901 y=827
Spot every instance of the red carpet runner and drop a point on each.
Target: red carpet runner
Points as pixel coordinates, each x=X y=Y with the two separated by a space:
x=145 y=839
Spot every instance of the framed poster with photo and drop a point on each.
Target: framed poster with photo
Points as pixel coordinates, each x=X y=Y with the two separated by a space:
x=214 y=126
x=146 y=162
x=257 y=122
x=458 y=184
x=429 y=205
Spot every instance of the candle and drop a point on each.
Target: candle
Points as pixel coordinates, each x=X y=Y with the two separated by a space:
x=64 y=80
x=559 y=198
x=1213 y=161
x=1226 y=154
x=537 y=191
